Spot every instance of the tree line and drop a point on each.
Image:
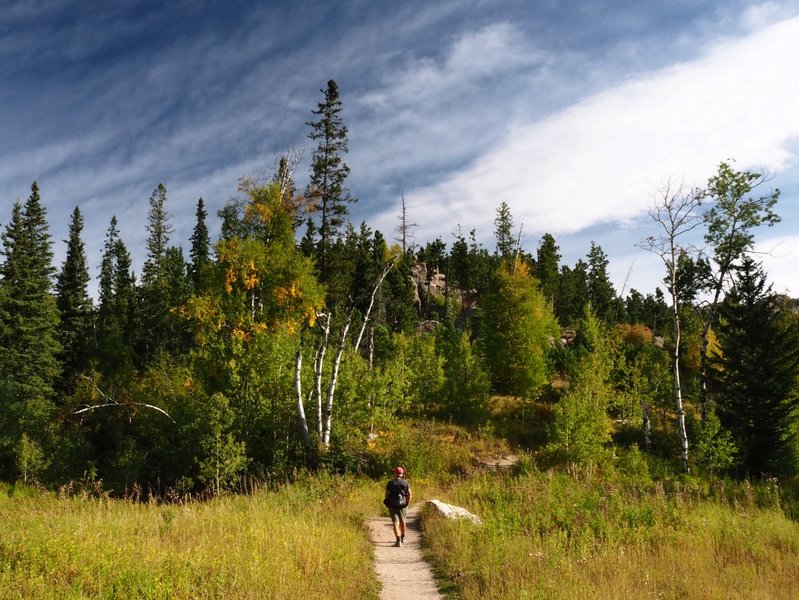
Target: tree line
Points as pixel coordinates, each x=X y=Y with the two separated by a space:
x=295 y=336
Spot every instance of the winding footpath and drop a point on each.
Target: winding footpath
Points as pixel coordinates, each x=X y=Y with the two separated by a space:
x=402 y=571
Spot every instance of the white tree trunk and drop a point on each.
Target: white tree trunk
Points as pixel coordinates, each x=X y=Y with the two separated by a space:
x=676 y=213
x=331 y=391
x=324 y=321
x=306 y=435
x=371 y=303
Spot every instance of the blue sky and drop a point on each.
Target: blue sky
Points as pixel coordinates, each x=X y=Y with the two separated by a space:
x=573 y=112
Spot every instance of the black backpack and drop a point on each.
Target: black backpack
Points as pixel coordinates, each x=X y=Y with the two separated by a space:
x=396 y=496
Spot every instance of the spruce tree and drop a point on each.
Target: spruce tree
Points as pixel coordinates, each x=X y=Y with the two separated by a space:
x=547 y=267
x=503 y=232
x=573 y=294
x=155 y=292
x=74 y=304
x=326 y=188
x=117 y=313
x=29 y=346
x=600 y=289
x=200 y=250
x=755 y=377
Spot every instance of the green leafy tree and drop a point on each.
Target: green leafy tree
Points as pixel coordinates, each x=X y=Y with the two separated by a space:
x=247 y=324
x=755 y=377
x=730 y=222
x=224 y=458
x=29 y=348
x=516 y=329
x=76 y=329
x=581 y=428
x=326 y=187
x=464 y=395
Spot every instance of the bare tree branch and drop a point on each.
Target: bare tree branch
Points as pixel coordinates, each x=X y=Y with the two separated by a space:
x=113 y=403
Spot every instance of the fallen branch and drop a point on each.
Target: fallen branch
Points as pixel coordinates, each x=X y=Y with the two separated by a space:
x=113 y=403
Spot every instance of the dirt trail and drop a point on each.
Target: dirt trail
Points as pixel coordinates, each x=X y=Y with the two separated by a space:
x=402 y=571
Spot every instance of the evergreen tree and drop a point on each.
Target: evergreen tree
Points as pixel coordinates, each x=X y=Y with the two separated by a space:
x=503 y=232
x=200 y=250
x=461 y=267
x=656 y=313
x=600 y=289
x=118 y=314
x=74 y=304
x=397 y=290
x=177 y=334
x=326 y=189
x=547 y=268
x=155 y=288
x=308 y=242
x=573 y=295
x=29 y=346
x=755 y=378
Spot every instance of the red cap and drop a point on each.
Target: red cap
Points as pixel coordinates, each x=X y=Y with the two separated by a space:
x=398 y=471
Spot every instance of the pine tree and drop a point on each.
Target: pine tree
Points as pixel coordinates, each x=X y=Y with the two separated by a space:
x=547 y=268
x=117 y=313
x=326 y=189
x=600 y=289
x=29 y=346
x=155 y=292
x=503 y=232
x=200 y=250
x=74 y=304
x=573 y=294
x=755 y=378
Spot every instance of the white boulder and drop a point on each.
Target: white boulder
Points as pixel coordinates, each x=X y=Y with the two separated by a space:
x=450 y=511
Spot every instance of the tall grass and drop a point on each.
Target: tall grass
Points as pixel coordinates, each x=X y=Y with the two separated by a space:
x=303 y=540
x=548 y=535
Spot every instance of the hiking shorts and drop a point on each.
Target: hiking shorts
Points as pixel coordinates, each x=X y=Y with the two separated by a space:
x=397 y=514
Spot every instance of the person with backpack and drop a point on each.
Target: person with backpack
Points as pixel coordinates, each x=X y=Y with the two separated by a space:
x=398 y=497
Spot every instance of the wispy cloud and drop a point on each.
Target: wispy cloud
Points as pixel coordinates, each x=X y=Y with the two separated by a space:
x=460 y=105
x=600 y=160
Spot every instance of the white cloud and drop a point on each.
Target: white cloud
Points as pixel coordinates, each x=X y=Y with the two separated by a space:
x=601 y=160
x=780 y=258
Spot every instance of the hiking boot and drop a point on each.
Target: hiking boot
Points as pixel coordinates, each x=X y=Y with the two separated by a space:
x=402 y=539
x=398 y=543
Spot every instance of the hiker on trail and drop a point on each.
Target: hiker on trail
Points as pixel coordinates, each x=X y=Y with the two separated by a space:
x=398 y=497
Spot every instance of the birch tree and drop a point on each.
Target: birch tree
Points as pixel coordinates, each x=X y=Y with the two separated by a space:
x=676 y=212
x=324 y=396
